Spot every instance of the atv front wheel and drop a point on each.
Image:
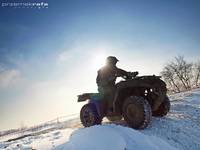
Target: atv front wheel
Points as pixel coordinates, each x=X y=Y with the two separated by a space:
x=137 y=112
x=163 y=109
x=89 y=115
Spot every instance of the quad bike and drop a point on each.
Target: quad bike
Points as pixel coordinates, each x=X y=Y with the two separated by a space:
x=136 y=99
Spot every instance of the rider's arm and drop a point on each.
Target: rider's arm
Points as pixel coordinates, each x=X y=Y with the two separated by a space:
x=121 y=73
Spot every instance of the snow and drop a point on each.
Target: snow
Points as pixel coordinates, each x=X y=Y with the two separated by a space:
x=181 y=126
x=180 y=130
x=97 y=137
x=41 y=142
x=113 y=137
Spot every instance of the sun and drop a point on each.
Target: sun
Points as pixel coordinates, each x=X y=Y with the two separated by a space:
x=98 y=59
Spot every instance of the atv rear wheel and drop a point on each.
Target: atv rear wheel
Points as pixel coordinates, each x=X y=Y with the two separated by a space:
x=89 y=115
x=114 y=118
x=137 y=112
x=163 y=109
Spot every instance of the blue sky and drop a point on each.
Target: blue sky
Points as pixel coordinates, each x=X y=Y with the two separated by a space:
x=48 y=56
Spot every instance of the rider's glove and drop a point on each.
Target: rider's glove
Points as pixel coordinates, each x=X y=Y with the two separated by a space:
x=135 y=73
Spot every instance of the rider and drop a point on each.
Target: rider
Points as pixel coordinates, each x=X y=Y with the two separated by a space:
x=106 y=79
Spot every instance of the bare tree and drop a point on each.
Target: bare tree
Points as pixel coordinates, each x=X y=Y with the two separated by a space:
x=178 y=74
x=183 y=71
x=197 y=73
x=169 y=77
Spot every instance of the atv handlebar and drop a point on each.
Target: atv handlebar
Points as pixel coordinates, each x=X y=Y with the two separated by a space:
x=131 y=75
x=134 y=74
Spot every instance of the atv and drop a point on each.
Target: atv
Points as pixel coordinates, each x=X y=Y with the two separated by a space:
x=136 y=99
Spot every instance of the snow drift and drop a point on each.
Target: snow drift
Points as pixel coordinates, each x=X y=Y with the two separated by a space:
x=113 y=137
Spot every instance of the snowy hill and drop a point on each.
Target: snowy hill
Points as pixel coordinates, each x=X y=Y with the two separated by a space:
x=180 y=129
x=113 y=137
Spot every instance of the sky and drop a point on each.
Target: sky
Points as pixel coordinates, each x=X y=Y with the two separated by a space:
x=50 y=55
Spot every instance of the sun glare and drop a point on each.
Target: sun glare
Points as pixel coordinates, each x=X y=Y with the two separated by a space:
x=98 y=60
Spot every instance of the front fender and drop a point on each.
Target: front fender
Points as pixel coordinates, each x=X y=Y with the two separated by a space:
x=99 y=106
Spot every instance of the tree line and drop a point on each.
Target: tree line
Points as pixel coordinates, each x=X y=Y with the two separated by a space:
x=181 y=75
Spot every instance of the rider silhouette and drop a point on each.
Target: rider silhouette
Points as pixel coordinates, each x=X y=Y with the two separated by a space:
x=106 y=79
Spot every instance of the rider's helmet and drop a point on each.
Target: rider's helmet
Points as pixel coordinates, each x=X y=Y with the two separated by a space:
x=111 y=60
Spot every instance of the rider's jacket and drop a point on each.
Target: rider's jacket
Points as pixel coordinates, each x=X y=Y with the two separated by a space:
x=107 y=75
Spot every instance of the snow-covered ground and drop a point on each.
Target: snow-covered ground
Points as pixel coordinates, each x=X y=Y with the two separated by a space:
x=113 y=137
x=180 y=129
